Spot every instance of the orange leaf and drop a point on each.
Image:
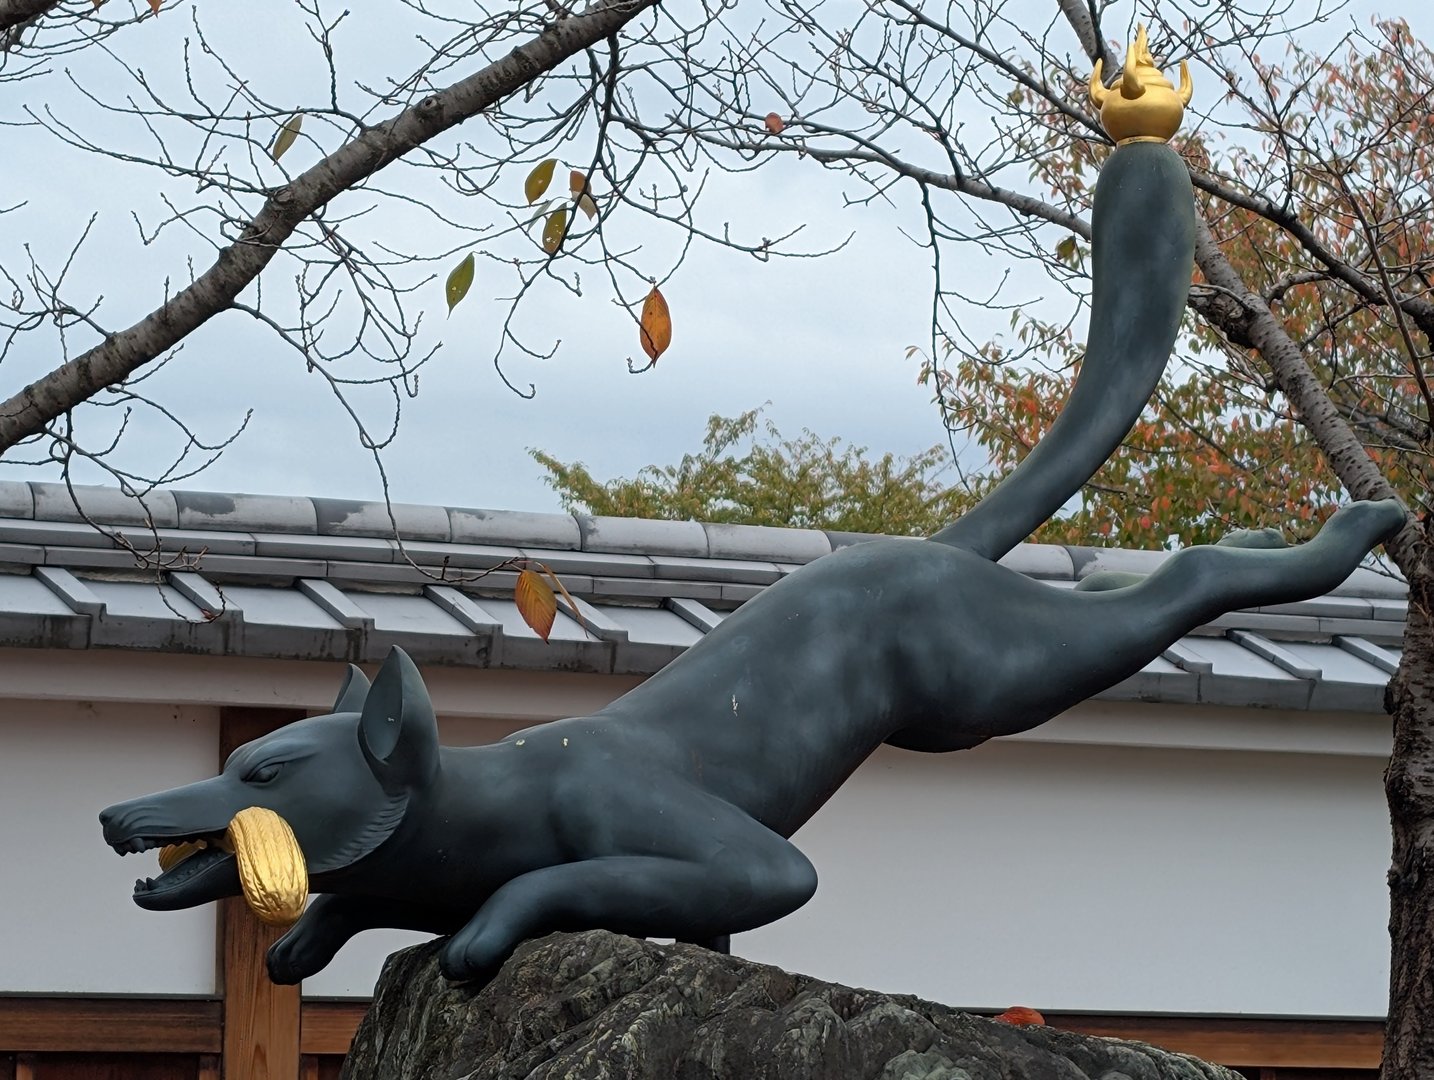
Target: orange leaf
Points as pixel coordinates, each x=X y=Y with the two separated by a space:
x=153 y=5
x=1021 y=1017
x=577 y=183
x=774 y=123
x=655 y=330
x=536 y=602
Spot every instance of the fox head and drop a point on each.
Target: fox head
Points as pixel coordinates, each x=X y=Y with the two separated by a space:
x=343 y=782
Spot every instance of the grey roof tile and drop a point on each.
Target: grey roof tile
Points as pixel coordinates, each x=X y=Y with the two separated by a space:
x=16 y=499
x=763 y=543
x=1087 y=560
x=86 y=558
x=30 y=595
x=739 y=594
x=1383 y=660
x=280 y=607
x=397 y=613
x=204 y=595
x=347 y=517
x=639 y=536
x=1040 y=561
x=595 y=622
x=254 y=550
x=21 y=554
x=260 y=569
x=1187 y=660
x=466 y=609
x=459 y=556
x=65 y=533
x=1281 y=657
x=839 y=539
x=592 y=562
x=73 y=592
x=612 y=588
x=350 y=548
x=247 y=513
x=1336 y=664
x=354 y=573
x=337 y=604
x=1337 y=607
x=737 y=571
x=656 y=626
x=104 y=505
x=1372 y=584
x=694 y=613
x=558 y=532
x=44 y=631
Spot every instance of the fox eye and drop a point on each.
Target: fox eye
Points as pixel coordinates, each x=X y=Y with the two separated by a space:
x=263 y=774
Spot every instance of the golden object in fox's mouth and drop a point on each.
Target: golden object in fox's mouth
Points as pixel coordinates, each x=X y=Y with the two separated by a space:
x=1143 y=106
x=272 y=871
x=171 y=855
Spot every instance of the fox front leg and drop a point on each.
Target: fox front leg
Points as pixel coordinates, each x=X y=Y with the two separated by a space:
x=640 y=895
x=329 y=922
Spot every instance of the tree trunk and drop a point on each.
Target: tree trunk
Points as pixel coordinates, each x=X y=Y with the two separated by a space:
x=1409 y=783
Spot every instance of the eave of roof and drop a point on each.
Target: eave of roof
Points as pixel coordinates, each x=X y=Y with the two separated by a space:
x=301 y=578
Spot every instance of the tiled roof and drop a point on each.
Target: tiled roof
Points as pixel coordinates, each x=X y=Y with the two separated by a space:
x=292 y=577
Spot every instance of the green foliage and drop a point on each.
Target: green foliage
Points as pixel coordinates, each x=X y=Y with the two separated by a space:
x=746 y=473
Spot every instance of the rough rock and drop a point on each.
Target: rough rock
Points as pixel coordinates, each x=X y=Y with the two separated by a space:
x=599 y=1006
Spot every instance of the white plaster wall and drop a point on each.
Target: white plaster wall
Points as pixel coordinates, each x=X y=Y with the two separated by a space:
x=1101 y=878
x=66 y=919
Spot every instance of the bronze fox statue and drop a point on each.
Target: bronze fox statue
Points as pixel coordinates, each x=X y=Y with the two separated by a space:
x=667 y=812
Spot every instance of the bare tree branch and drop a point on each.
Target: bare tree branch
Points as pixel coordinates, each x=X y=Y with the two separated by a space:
x=238 y=264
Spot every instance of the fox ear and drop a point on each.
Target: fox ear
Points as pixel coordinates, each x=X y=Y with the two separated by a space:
x=397 y=729
x=352 y=693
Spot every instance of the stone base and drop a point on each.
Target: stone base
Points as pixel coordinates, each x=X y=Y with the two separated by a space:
x=599 y=1006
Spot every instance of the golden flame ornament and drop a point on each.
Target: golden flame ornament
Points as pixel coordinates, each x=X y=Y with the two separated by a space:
x=1143 y=106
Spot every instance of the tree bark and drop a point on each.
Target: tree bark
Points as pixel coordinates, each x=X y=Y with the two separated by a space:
x=1409 y=785
x=118 y=356
x=15 y=12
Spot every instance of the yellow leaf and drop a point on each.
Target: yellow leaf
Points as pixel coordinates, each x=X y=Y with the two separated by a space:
x=287 y=134
x=539 y=179
x=572 y=604
x=587 y=206
x=655 y=329
x=460 y=279
x=536 y=602
x=553 y=231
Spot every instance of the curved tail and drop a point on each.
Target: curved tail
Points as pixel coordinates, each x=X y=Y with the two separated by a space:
x=1142 y=251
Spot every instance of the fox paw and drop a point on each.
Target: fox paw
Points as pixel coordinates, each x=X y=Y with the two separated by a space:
x=466 y=960
x=293 y=958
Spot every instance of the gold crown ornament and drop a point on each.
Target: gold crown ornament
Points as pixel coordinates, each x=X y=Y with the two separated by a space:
x=1143 y=106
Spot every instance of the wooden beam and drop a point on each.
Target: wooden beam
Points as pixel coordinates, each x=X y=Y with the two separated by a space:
x=261 y=1020
x=329 y=1026
x=99 y=1025
x=1288 y=1043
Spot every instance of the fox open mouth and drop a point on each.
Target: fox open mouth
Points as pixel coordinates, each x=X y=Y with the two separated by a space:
x=208 y=873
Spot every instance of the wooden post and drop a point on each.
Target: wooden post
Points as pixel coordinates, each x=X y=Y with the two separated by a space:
x=261 y=1020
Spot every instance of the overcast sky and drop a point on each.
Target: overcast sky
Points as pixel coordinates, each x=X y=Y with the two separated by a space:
x=822 y=340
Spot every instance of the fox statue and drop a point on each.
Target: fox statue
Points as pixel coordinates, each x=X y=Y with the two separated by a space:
x=667 y=813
